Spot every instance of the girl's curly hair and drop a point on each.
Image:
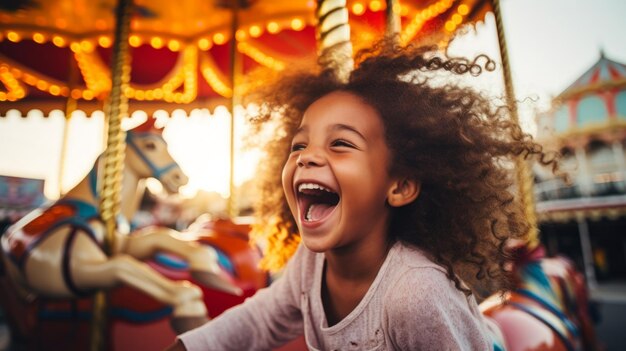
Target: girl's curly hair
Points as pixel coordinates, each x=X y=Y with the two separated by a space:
x=451 y=139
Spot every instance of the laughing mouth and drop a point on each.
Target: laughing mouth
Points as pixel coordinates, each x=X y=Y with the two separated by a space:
x=316 y=201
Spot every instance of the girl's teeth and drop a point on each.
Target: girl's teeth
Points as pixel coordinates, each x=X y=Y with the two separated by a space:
x=312 y=186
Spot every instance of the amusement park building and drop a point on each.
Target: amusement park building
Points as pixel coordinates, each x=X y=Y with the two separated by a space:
x=586 y=218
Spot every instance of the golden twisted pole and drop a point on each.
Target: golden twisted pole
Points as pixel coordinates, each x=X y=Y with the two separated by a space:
x=116 y=108
x=235 y=67
x=523 y=175
x=333 y=36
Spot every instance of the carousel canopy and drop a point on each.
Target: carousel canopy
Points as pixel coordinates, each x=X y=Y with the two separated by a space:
x=55 y=51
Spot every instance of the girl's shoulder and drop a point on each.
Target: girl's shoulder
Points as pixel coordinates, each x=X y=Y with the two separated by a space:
x=413 y=274
x=410 y=257
x=424 y=310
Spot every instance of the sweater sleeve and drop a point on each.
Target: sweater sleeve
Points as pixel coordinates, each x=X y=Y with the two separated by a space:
x=264 y=321
x=424 y=311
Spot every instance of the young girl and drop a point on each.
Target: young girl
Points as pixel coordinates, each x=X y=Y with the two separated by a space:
x=400 y=194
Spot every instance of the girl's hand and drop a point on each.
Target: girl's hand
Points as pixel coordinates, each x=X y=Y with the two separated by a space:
x=176 y=346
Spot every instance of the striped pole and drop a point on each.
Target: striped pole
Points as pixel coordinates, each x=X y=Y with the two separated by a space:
x=392 y=20
x=333 y=36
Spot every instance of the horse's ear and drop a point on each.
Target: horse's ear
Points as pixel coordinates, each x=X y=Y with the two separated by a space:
x=148 y=126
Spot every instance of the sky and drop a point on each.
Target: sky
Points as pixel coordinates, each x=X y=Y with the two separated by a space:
x=550 y=44
x=553 y=42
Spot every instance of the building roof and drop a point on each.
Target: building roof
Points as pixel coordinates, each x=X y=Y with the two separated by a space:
x=605 y=73
x=592 y=104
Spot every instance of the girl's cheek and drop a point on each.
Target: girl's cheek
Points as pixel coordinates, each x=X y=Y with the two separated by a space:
x=287 y=177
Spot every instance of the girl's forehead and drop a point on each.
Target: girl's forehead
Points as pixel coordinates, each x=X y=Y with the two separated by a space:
x=339 y=96
x=343 y=105
x=341 y=111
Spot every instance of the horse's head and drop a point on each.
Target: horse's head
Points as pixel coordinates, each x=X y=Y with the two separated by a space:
x=147 y=156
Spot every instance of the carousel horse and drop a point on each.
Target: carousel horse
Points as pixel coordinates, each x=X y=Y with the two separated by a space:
x=56 y=251
x=238 y=259
x=548 y=309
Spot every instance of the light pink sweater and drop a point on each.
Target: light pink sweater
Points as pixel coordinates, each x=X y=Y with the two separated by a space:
x=411 y=305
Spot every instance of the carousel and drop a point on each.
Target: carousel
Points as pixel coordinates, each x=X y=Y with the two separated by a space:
x=99 y=281
x=586 y=218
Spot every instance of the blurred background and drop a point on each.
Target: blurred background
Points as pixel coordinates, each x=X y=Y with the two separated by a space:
x=567 y=60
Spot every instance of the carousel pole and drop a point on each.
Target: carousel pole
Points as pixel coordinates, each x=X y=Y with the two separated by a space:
x=333 y=37
x=235 y=69
x=523 y=175
x=116 y=107
x=70 y=107
x=392 y=20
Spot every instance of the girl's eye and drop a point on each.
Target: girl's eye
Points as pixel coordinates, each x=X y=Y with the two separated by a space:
x=342 y=143
x=297 y=147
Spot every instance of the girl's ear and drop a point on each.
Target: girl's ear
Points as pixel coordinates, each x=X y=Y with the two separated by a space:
x=403 y=192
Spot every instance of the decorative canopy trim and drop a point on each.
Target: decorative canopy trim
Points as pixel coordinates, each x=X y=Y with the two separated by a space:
x=48 y=106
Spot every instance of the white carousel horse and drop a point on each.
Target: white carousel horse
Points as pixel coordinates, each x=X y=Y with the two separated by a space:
x=56 y=251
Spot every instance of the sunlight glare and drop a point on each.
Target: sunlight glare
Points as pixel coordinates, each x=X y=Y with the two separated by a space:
x=85 y=142
x=200 y=143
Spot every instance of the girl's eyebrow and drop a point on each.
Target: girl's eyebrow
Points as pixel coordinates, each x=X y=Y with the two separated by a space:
x=340 y=126
x=300 y=130
x=334 y=127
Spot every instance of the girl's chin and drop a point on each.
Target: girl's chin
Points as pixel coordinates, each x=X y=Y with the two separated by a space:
x=315 y=244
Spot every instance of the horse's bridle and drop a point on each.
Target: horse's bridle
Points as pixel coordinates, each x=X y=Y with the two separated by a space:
x=156 y=171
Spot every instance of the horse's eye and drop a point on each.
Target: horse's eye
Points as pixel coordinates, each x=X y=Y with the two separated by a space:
x=151 y=146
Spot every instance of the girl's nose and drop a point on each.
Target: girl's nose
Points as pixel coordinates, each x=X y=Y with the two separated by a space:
x=309 y=158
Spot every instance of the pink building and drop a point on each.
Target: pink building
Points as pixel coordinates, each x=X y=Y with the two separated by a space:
x=587 y=218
